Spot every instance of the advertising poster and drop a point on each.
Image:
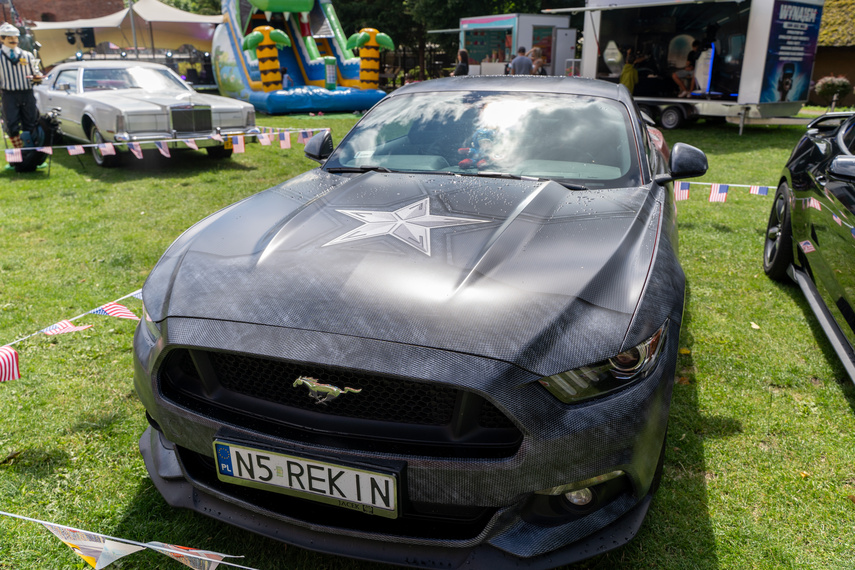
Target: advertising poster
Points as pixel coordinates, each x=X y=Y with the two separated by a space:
x=791 y=52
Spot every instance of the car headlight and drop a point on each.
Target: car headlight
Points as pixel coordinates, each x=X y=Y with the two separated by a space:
x=250 y=118
x=609 y=375
x=151 y=326
x=120 y=123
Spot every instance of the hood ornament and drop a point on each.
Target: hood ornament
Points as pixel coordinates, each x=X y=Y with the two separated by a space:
x=323 y=393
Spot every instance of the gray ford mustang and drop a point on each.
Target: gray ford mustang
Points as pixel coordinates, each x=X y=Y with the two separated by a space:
x=453 y=343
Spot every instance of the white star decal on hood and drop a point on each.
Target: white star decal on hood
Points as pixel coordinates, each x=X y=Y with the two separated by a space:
x=410 y=224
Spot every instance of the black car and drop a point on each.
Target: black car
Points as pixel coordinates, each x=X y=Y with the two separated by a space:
x=453 y=343
x=810 y=237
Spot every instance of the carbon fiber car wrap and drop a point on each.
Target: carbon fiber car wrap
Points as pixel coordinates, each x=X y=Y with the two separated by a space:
x=438 y=314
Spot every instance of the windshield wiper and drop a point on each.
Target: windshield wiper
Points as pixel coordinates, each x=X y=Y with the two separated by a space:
x=563 y=181
x=366 y=168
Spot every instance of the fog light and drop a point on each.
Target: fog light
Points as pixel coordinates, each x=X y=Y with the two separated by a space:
x=580 y=498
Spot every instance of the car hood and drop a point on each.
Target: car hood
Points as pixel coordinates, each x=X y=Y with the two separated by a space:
x=141 y=100
x=527 y=272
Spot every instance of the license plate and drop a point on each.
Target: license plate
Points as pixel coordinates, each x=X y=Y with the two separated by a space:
x=344 y=486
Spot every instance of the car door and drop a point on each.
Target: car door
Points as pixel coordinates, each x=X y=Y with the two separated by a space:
x=64 y=94
x=833 y=228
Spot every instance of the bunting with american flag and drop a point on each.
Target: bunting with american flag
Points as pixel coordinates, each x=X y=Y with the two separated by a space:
x=217 y=137
x=14 y=155
x=304 y=136
x=284 y=139
x=163 y=147
x=191 y=143
x=718 y=192
x=263 y=138
x=76 y=149
x=136 y=149
x=9 y=364
x=682 y=191
x=815 y=204
x=115 y=310
x=63 y=327
x=238 y=144
x=107 y=149
x=45 y=149
x=759 y=190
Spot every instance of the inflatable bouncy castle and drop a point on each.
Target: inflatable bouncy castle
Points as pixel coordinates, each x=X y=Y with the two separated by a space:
x=291 y=56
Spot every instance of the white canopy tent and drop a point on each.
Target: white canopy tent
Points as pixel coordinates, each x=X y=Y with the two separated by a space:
x=153 y=25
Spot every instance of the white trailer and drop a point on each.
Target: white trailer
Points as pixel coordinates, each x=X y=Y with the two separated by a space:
x=755 y=63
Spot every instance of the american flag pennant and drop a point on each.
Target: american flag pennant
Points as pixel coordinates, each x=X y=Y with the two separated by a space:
x=837 y=219
x=96 y=549
x=115 y=310
x=191 y=143
x=163 y=147
x=137 y=294
x=9 y=364
x=136 y=149
x=198 y=559
x=107 y=149
x=284 y=139
x=718 y=192
x=76 y=149
x=759 y=190
x=238 y=144
x=815 y=204
x=14 y=155
x=263 y=139
x=63 y=327
x=807 y=246
x=45 y=149
x=682 y=191
x=304 y=136
x=217 y=137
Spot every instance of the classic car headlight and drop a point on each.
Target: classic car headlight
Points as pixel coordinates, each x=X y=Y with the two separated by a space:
x=250 y=118
x=151 y=326
x=120 y=123
x=609 y=375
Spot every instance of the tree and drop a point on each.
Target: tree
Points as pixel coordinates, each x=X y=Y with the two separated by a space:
x=205 y=7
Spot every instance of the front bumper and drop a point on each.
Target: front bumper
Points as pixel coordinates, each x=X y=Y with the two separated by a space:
x=560 y=444
x=202 y=139
x=166 y=473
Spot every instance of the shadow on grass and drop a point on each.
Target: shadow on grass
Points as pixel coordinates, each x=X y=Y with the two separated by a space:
x=845 y=383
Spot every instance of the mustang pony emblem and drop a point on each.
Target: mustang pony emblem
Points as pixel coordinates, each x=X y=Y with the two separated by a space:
x=323 y=393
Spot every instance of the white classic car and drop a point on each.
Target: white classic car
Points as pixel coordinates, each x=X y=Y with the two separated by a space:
x=134 y=101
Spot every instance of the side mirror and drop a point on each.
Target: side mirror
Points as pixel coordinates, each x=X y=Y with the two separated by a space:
x=842 y=166
x=320 y=147
x=686 y=162
x=63 y=87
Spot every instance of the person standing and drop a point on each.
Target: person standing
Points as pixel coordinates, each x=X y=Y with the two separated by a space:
x=521 y=64
x=18 y=72
x=462 y=63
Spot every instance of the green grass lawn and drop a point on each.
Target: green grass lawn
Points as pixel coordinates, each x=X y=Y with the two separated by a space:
x=760 y=462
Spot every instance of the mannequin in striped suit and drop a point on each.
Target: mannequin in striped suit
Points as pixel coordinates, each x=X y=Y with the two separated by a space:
x=18 y=72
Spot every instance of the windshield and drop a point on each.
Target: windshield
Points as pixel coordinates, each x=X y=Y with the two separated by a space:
x=581 y=140
x=152 y=80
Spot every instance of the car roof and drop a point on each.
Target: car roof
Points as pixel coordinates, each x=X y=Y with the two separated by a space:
x=108 y=64
x=521 y=83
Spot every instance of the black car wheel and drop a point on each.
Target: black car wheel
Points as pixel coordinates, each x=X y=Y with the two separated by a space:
x=219 y=152
x=107 y=161
x=778 y=249
x=671 y=118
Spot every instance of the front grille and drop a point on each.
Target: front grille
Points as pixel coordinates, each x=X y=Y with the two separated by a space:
x=381 y=413
x=191 y=119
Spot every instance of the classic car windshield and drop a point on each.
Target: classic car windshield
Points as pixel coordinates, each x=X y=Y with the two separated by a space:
x=152 y=80
x=574 y=139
